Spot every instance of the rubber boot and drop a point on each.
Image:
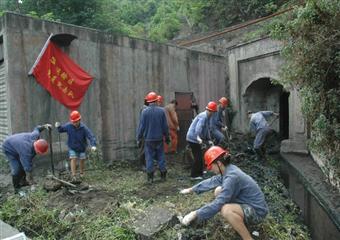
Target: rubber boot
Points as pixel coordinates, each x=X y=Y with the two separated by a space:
x=163 y=176
x=16 y=183
x=22 y=179
x=150 y=177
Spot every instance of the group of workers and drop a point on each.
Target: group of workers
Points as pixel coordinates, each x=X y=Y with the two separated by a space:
x=237 y=196
x=21 y=148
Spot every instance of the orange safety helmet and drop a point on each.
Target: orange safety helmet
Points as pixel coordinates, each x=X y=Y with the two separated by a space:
x=40 y=146
x=212 y=106
x=75 y=116
x=212 y=154
x=151 y=97
x=159 y=99
x=224 y=101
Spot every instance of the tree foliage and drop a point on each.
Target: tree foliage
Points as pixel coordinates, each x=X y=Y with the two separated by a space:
x=159 y=20
x=312 y=52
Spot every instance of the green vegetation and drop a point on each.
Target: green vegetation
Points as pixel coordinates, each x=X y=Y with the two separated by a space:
x=120 y=194
x=159 y=20
x=311 y=39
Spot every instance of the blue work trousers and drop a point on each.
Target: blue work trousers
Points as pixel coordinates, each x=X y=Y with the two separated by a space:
x=217 y=135
x=154 y=150
x=15 y=164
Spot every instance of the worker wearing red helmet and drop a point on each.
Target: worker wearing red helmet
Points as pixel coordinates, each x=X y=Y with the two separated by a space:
x=237 y=196
x=153 y=128
x=78 y=134
x=217 y=123
x=197 y=133
x=20 y=150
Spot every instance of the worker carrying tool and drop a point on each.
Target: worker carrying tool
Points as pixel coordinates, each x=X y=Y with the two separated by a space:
x=237 y=196
x=260 y=126
x=197 y=133
x=78 y=134
x=153 y=127
x=217 y=125
x=172 y=119
x=20 y=149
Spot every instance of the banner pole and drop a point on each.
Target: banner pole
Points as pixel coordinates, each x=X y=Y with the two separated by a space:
x=40 y=54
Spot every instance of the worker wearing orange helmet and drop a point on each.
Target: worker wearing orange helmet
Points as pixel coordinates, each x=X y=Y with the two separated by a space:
x=153 y=127
x=216 y=121
x=237 y=196
x=78 y=134
x=20 y=150
x=197 y=133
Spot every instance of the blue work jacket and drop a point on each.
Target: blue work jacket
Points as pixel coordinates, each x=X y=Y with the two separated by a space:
x=258 y=120
x=153 y=125
x=237 y=187
x=77 y=137
x=199 y=127
x=20 y=147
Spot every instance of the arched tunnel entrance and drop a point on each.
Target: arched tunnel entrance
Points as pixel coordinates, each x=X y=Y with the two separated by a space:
x=262 y=95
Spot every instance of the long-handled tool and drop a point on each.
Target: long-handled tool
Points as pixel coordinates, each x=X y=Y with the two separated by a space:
x=51 y=148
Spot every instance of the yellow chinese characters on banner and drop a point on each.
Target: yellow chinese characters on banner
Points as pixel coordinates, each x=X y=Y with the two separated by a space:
x=59 y=78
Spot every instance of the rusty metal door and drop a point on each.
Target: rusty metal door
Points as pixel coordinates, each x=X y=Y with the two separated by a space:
x=185 y=116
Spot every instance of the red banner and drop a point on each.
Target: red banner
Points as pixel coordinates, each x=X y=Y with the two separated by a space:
x=64 y=79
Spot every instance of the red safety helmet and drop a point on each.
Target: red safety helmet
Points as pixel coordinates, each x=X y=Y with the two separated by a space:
x=212 y=154
x=75 y=116
x=224 y=101
x=212 y=106
x=151 y=97
x=159 y=99
x=40 y=146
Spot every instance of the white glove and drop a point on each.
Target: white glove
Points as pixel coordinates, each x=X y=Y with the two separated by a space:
x=93 y=148
x=200 y=141
x=189 y=218
x=186 y=191
x=224 y=129
x=211 y=143
x=47 y=126
x=177 y=128
x=57 y=124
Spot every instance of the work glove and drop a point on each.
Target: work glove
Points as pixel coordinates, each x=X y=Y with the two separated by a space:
x=29 y=178
x=93 y=148
x=40 y=128
x=224 y=129
x=167 y=140
x=178 y=129
x=210 y=143
x=57 y=124
x=200 y=141
x=185 y=191
x=189 y=218
x=139 y=144
x=47 y=126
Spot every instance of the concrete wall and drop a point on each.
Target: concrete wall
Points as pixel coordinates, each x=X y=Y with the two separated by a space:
x=250 y=62
x=124 y=70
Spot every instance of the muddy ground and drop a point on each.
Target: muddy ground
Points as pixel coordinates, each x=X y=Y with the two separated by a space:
x=113 y=196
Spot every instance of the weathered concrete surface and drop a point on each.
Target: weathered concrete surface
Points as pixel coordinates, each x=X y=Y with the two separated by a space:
x=152 y=220
x=124 y=70
x=318 y=200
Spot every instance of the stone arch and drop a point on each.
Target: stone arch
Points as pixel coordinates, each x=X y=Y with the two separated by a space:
x=261 y=94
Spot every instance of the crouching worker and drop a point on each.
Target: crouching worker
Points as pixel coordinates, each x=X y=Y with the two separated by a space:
x=77 y=133
x=20 y=149
x=237 y=196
